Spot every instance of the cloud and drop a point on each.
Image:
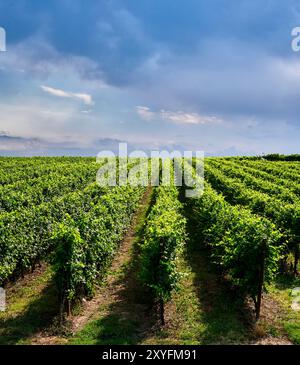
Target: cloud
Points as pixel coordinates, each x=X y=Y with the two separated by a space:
x=192 y=67
x=29 y=120
x=178 y=117
x=144 y=112
x=181 y=117
x=15 y=145
x=86 y=98
x=38 y=58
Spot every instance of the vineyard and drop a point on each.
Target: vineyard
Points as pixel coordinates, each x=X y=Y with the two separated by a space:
x=86 y=263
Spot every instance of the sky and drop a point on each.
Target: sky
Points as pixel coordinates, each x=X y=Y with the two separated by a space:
x=217 y=76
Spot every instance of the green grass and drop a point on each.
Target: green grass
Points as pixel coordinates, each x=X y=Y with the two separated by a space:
x=31 y=305
x=115 y=323
x=220 y=312
x=290 y=319
x=109 y=329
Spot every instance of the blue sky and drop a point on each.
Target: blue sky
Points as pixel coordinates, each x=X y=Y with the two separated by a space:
x=218 y=76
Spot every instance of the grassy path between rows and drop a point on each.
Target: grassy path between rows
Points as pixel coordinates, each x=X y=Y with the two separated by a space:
x=31 y=305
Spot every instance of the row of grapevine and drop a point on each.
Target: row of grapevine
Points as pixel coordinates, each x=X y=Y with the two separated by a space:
x=46 y=160
x=86 y=241
x=82 y=229
x=254 y=170
x=43 y=189
x=163 y=239
x=243 y=245
x=285 y=216
x=256 y=182
x=13 y=170
x=25 y=234
x=272 y=168
x=287 y=166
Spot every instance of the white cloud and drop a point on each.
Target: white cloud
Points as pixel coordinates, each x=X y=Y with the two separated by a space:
x=178 y=117
x=86 y=98
x=40 y=60
x=181 y=117
x=28 y=119
x=144 y=112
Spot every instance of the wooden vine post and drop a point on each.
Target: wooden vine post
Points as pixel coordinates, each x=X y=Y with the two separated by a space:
x=296 y=259
x=261 y=275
